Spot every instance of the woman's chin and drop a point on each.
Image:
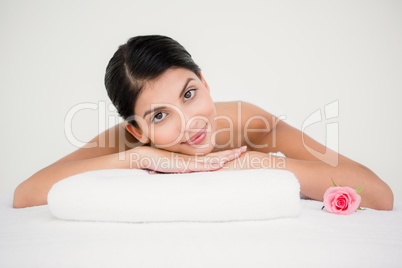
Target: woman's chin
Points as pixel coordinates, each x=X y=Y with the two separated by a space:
x=184 y=148
x=199 y=149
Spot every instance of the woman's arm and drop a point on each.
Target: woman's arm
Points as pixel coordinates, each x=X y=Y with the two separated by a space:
x=315 y=177
x=314 y=172
x=95 y=156
x=102 y=152
x=33 y=191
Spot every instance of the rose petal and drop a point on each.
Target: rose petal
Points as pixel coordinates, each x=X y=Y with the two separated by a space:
x=341 y=203
x=338 y=196
x=341 y=200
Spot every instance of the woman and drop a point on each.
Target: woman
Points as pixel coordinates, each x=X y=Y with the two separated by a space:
x=172 y=125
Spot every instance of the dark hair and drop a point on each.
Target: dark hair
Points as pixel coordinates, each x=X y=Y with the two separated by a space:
x=141 y=59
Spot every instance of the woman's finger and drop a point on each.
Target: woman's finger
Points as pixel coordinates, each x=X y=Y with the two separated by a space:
x=230 y=155
x=210 y=162
x=233 y=152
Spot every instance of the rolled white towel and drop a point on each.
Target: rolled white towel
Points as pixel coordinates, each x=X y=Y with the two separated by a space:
x=122 y=195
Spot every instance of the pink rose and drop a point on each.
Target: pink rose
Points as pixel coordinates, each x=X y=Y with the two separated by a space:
x=341 y=200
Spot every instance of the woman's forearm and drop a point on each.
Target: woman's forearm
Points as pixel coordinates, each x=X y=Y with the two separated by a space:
x=33 y=191
x=315 y=178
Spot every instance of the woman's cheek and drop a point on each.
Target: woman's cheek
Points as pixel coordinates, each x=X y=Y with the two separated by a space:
x=208 y=107
x=168 y=134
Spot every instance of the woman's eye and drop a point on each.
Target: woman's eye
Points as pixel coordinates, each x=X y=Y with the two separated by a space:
x=158 y=117
x=189 y=94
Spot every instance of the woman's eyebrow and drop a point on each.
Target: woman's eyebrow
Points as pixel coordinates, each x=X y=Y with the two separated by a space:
x=154 y=110
x=185 y=86
x=163 y=107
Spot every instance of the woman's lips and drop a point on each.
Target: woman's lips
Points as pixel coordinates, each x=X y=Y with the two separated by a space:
x=198 y=137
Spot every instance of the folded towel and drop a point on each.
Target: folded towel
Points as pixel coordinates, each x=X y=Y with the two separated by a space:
x=123 y=195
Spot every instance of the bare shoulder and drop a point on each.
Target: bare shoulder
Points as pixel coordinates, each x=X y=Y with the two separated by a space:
x=113 y=140
x=246 y=114
x=239 y=107
x=248 y=124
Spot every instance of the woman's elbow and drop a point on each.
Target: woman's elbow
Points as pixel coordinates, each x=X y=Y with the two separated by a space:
x=25 y=197
x=376 y=194
x=388 y=202
x=384 y=199
x=19 y=198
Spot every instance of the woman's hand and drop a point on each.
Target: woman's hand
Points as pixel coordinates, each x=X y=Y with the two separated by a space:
x=162 y=161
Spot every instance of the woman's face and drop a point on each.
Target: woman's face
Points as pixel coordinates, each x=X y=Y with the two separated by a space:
x=176 y=112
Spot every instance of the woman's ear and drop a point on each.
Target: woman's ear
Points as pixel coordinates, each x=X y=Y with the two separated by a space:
x=137 y=133
x=205 y=82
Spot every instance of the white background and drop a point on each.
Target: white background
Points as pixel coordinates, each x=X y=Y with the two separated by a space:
x=289 y=57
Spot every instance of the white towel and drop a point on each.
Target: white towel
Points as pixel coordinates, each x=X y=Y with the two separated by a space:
x=123 y=195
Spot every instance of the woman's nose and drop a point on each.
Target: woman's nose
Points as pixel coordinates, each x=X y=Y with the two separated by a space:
x=194 y=118
x=196 y=122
